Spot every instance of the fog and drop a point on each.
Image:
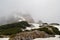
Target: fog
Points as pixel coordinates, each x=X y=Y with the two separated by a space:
x=45 y=10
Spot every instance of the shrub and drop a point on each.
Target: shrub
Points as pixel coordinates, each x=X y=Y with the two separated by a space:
x=13 y=28
x=46 y=30
x=55 y=30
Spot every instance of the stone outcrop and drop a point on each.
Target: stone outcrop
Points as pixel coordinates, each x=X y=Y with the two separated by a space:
x=30 y=35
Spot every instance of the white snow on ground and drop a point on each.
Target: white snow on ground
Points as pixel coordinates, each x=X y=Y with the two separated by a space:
x=57 y=36
x=4 y=38
x=36 y=39
x=51 y=38
x=47 y=39
x=35 y=26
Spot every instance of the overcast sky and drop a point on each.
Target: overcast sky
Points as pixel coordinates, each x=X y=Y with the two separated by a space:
x=45 y=10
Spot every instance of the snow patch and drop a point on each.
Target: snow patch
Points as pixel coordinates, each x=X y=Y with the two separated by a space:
x=33 y=26
x=4 y=38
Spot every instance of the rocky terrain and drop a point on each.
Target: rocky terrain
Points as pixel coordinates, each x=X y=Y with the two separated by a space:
x=24 y=30
x=30 y=35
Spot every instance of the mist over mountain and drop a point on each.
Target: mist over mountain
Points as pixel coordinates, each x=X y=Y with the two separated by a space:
x=45 y=10
x=16 y=18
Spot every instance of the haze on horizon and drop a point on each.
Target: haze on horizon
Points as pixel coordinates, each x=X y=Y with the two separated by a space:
x=45 y=10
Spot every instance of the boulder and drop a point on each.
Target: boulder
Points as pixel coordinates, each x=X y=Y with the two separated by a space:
x=30 y=35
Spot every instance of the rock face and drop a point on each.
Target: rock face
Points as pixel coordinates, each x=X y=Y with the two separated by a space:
x=30 y=35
